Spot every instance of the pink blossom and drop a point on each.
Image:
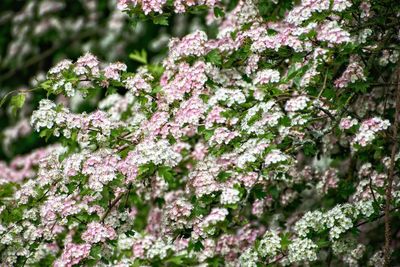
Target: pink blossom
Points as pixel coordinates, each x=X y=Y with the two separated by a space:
x=248 y=179
x=267 y=76
x=97 y=232
x=347 y=123
x=353 y=73
x=188 y=78
x=333 y=33
x=200 y=151
x=223 y=135
x=112 y=71
x=214 y=116
x=73 y=254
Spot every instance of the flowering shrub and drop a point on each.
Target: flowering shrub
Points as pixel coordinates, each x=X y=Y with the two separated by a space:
x=274 y=143
x=36 y=34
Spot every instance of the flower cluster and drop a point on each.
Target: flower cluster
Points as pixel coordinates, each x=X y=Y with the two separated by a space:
x=157 y=6
x=368 y=130
x=353 y=73
x=98 y=233
x=302 y=250
x=337 y=220
x=347 y=123
x=73 y=254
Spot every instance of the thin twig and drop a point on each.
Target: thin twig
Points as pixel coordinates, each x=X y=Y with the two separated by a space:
x=324 y=86
x=277 y=259
x=376 y=218
x=372 y=190
x=326 y=112
x=111 y=206
x=127 y=194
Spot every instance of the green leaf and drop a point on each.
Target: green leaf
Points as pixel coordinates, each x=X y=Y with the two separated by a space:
x=329 y=93
x=161 y=20
x=139 y=56
x=133 y=19
x=44 y=133
x=323 y=243
x=285 y=241
x=218 y=12
x=223 y=176
x=95 y=252
x=46 y=85
x=111 y=90
x=176 y=260
x=214 y=57
x=258 y=192
x=156 y=89
x=263 y=8
x=208 y=134
x=285 y=121
x=274 y=192
x=146 y=170
x=3 y=100
x=17 y=102
x=196 y=246
x=166 y=173
x=309 y=149
x=271 y=32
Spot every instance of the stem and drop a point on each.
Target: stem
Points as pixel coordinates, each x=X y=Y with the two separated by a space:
x=376 y=218
x=324 y=86
x=326 y=112
x=127 y=195
x=279 y=258
x=372 y=191
x=389 y=186
x=110 y=207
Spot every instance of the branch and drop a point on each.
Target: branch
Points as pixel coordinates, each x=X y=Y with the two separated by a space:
x=389 y=186
x=111 y=206
x=277 y=259
x=327 y=112
x=372 y=191
x=376 y=218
